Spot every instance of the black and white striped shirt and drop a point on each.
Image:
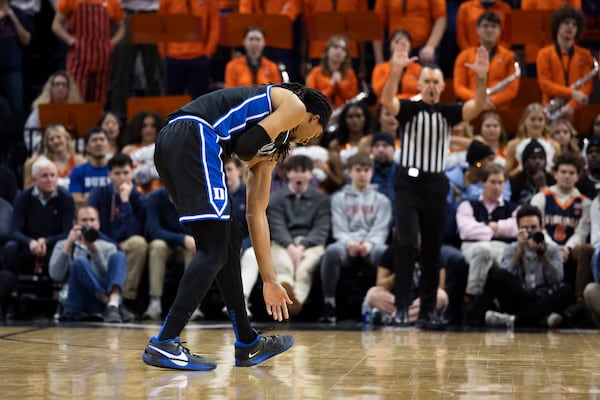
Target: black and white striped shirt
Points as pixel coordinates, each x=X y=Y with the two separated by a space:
x=426 y=133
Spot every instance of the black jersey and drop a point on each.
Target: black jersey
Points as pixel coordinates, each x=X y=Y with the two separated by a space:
x=231 y=112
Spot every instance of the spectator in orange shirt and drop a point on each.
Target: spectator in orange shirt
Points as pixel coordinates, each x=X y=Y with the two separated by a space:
x=549 y=4
x=188 y=63
x=252 y=68
x=90 y=42
x=289 y=8
x=467 y=33
x=425 y=20
x=501 y=65
x=407 y=87
x=562 y=63
x=335 y=77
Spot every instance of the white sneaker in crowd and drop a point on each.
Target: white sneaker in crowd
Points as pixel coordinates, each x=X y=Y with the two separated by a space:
x=498 y=319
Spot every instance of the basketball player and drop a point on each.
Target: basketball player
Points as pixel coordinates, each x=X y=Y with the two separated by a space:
x=257 y=123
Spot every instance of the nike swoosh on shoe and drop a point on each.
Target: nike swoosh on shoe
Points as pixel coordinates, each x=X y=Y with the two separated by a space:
x=180 y=357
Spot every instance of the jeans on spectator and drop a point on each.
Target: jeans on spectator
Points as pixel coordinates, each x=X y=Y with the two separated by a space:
x=335 y=257
x=596 y=265
x=86 y=287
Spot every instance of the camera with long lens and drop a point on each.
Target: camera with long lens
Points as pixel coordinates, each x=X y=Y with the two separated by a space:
x=537 y=236
x=89 y=234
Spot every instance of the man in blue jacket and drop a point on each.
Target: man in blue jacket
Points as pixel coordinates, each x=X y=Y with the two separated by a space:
x=122 y=212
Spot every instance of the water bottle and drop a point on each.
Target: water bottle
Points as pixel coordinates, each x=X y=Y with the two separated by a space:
x=366 y=314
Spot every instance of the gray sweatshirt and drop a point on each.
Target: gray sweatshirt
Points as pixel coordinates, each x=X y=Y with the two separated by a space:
x=60 y=262
x=360 y=216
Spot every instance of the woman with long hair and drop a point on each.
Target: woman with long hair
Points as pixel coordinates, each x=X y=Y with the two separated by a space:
x=59 y=88
x=491 y=132
x=112 y=126
x=354 y=130
x=533 y=125
x=57 y=146
x=565 y=134
x=141 y=133
x=334 y=77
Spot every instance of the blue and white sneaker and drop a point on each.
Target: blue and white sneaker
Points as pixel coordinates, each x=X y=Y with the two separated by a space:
x=261 y=349
x=171 y=354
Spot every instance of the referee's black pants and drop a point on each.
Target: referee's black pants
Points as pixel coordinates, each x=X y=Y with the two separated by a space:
x=420 y=207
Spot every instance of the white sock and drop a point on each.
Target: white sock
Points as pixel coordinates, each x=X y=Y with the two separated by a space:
x=155 y=302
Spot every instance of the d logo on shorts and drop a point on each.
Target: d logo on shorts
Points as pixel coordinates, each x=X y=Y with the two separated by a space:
x=218 y=194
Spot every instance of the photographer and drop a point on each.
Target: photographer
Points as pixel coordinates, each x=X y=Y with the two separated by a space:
x=528 y=287
x=94 y=269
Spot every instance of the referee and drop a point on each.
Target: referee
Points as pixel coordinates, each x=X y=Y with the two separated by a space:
x=421 y=185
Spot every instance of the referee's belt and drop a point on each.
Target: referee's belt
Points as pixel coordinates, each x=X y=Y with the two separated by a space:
x=417 y=173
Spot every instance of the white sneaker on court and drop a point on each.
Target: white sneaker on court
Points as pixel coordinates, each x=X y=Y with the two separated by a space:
x=197 y=315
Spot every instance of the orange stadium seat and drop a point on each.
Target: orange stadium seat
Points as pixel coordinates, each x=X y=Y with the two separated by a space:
x=278 y=29
x=530 y=28
x=76 y=118
x=529 y=92
x=156 y=28
x=163 y=105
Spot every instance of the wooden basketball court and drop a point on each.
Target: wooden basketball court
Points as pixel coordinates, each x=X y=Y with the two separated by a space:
x=102 y=361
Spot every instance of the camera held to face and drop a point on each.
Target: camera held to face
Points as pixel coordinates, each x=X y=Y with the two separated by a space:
x=539 y=239
x=537 y=236
x=89 y=234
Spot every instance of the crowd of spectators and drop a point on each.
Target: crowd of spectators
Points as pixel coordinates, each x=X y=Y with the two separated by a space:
x=334 y=212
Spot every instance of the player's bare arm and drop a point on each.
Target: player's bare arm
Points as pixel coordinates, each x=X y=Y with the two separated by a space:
x=288 y=112
x=257 y=199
